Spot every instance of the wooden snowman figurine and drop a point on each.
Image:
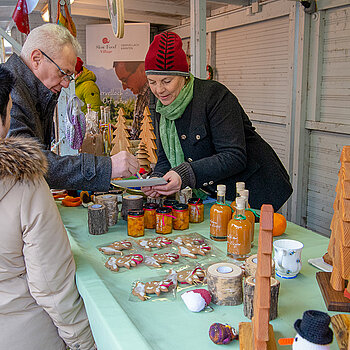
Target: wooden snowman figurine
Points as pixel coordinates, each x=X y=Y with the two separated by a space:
x=313 y=332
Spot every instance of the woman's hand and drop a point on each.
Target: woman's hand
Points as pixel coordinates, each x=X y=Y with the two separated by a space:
x=149 y=191
x=173 y=185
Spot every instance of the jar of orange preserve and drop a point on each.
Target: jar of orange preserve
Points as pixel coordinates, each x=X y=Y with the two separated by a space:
x=164 y=220
x=181 y=217
x=136 y=224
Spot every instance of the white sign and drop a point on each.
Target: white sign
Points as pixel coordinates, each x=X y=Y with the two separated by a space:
x=103 y=48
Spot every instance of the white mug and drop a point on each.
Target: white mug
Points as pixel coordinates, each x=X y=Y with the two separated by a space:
x=287 y=257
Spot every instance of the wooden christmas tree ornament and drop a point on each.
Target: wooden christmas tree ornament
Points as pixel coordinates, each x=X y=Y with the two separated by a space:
x=341 y=328
x=258 y=334
x=147 y=136
x=121 y=135
x=332 y=284
x=142 y=156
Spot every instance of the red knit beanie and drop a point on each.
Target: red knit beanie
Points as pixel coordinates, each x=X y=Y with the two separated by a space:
x=165 y=56
x=79 y=65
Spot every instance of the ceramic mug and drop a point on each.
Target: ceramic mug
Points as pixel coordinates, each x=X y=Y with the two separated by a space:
x=287 y=257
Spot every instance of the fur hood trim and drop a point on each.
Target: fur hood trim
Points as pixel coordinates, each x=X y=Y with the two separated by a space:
x=21 y=159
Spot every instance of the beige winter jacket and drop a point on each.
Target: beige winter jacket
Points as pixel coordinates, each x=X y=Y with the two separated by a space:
x=40 y=307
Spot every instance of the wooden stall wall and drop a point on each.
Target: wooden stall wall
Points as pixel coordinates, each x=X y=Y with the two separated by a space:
x=328 y=108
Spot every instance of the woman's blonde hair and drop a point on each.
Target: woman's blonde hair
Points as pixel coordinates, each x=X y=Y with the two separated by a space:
x=50 y=38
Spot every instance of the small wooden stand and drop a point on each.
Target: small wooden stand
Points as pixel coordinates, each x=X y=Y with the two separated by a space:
x=258 y=335
x=246 y=340
x=334 y=300
x=341 y=328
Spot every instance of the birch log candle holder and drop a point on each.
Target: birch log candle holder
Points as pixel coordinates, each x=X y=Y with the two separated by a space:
x=97 y=219
x=131 y=202
x=248 y=297
x=225 y=283
x=251 y=266
x=111 y=204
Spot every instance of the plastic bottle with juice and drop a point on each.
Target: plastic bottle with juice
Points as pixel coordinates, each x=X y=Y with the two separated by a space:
x=238 y=233
x=220 y=215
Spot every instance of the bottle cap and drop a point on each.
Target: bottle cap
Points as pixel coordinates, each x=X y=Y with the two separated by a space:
x=240 y=186
x=245 y=194
x=194 y=200
x=240 y=203
x=221 y=189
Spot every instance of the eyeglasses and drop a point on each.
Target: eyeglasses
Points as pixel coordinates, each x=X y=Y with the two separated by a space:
x=125 y=80
x=65 y=76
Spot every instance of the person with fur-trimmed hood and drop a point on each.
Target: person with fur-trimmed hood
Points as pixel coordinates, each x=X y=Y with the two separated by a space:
x=40 y=307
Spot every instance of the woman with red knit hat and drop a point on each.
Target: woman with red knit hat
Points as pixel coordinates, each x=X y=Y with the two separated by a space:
x=206 y=138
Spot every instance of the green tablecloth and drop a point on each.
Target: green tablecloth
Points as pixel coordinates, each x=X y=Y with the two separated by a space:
x=118 y=323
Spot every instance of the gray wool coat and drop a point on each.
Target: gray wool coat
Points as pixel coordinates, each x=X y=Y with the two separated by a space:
x=32 y=116
x=221 y=146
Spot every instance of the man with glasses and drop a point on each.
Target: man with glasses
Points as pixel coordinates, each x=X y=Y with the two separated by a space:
x=46 y=65
x=133 y=77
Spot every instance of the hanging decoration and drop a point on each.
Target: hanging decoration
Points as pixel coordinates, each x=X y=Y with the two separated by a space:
x=20 y=16
x=116 y=16
x=64 y=18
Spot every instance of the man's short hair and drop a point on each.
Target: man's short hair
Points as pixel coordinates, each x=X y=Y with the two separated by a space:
x=130 y=66
x=50 y=38
x=7 y=82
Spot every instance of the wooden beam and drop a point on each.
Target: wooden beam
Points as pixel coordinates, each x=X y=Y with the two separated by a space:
x=100 y=12
x=198 y=38
x=16 y=46
x=231 y=2
x=159 y=7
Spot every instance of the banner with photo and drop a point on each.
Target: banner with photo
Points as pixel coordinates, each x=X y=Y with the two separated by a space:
x=118 y=63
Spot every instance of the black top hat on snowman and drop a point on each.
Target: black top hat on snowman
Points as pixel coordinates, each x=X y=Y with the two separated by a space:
x=314 y=327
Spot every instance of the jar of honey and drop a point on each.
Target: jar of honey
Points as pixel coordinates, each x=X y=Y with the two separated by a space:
x=220 y=215
x=150 y=214
x=164 y=220
x=181 y=217
x=239 y=233
x=136 y=225
x=196 y=208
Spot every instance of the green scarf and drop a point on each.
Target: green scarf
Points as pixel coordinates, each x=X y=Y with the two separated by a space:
x=167 y=129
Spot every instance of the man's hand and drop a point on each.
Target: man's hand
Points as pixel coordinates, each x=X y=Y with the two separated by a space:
x=124 y=164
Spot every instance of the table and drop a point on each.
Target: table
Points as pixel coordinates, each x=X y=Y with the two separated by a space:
x=118 y=323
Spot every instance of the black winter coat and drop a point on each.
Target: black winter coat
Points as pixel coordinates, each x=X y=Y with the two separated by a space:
x=222 y=147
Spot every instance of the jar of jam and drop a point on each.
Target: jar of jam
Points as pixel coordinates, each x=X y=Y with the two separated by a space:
x=196 y=209
x=164 y=220
x=181 y=217
x=136 y=225
x=170 y=202
x=150 y=214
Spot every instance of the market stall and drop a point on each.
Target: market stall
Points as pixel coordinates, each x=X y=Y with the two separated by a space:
x=119 y=321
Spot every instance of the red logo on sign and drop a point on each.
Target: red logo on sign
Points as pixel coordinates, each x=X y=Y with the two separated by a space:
x=105 y=40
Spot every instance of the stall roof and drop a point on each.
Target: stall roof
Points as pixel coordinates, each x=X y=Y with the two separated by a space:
x=159 y=12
